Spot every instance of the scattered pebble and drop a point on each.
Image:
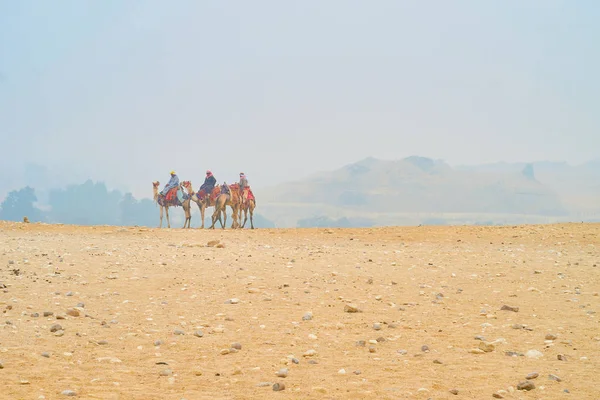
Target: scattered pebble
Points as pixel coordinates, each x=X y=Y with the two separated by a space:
x=554 y=378
x=69 y=393
x=351 y=308
x=534 y=354
x=282 y=373
x=532 y=375
x=277 y=387
x=526 y=385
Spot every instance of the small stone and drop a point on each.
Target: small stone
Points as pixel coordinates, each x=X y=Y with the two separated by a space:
x=561 y=357
x=534 y=354
x=436 y=361
x=178 y=332
x=35 y=315
x=308 y=316
x=554 y=378
x=277 y=387
x=357 y=372
x=425 y=348
x=351 y=308
x=48 y=313
x=233 y=301
x=526 y=385
x=487 y=347
x=68 y=393
x=199 y=334
x=263 y=384
x=80 y=305
x=361 y=343
x=479 y=338
x=225 y=352
x=236 y=346
x=282 y=373
x=509 y=308
x=377 y=326
x=158 y=342
x=310 y=353
x=69 y=294
x=551 y=336
x=73 y=312
x=380 y=339
x=454 y=391
x=45 y=354
x=532 y=375
x=1 y=365
x=402 y=352
x=476 y=351
x=497 y=396
x=102 y=342
x=166 y=372
x=56 y=328
x=320 y=389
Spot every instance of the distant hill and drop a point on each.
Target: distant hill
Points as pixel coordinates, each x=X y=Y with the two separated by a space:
x=419 y=189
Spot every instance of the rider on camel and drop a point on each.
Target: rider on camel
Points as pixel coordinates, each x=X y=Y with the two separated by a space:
x=243 y=185
x=225 y=189
x=173 y=183
x=209 y=183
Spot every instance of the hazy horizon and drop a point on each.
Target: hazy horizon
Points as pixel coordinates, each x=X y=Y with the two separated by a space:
x=124 y=92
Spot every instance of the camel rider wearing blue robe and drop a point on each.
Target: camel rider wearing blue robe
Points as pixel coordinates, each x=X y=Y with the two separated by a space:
x=173 y=183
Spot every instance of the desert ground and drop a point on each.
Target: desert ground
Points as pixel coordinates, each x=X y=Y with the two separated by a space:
x=441 y=313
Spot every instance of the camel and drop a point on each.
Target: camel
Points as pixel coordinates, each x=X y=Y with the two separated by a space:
x=160 y=200
x=233 y=201
x=202 y=204
x=245 y=206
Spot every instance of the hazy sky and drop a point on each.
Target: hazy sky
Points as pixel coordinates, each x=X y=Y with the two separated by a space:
x=128 y=90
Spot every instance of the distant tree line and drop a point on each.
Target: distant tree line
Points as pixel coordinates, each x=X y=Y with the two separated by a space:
x=90 y=203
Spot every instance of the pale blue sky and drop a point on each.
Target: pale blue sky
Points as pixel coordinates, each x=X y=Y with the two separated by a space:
x=127 y=90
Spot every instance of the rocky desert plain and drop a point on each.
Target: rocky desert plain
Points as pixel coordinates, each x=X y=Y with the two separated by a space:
x=465 y=312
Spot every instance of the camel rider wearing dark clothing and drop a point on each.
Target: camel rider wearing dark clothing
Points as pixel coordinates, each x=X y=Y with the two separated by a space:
x=209 y=183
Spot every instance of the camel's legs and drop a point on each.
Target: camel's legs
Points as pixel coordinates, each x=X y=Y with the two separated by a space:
x=202 y=209
x=168 y=221
x=161 y=216
x=188 y=215
x=251 y=215
x=245 y=210
x=225 y=217
x=216 y=214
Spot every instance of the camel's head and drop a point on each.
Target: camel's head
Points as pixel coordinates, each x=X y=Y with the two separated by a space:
x=155 y=184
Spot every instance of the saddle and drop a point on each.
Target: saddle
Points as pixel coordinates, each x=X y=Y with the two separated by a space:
x=171 y=195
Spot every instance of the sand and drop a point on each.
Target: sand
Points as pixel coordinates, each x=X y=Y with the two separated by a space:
x=439 y=287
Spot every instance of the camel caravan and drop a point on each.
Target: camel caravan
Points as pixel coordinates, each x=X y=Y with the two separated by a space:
x=238 y=196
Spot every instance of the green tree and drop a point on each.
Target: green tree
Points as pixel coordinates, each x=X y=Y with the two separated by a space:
x=19 y=204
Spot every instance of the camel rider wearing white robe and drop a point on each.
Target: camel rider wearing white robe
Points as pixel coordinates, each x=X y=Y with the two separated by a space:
x=173 y=182
x=243 y=184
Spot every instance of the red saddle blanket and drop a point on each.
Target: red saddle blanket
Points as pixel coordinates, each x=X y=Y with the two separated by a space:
x=171 y=195
x=249 y=194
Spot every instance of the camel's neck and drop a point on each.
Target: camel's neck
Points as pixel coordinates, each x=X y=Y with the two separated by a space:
x=155 y=190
